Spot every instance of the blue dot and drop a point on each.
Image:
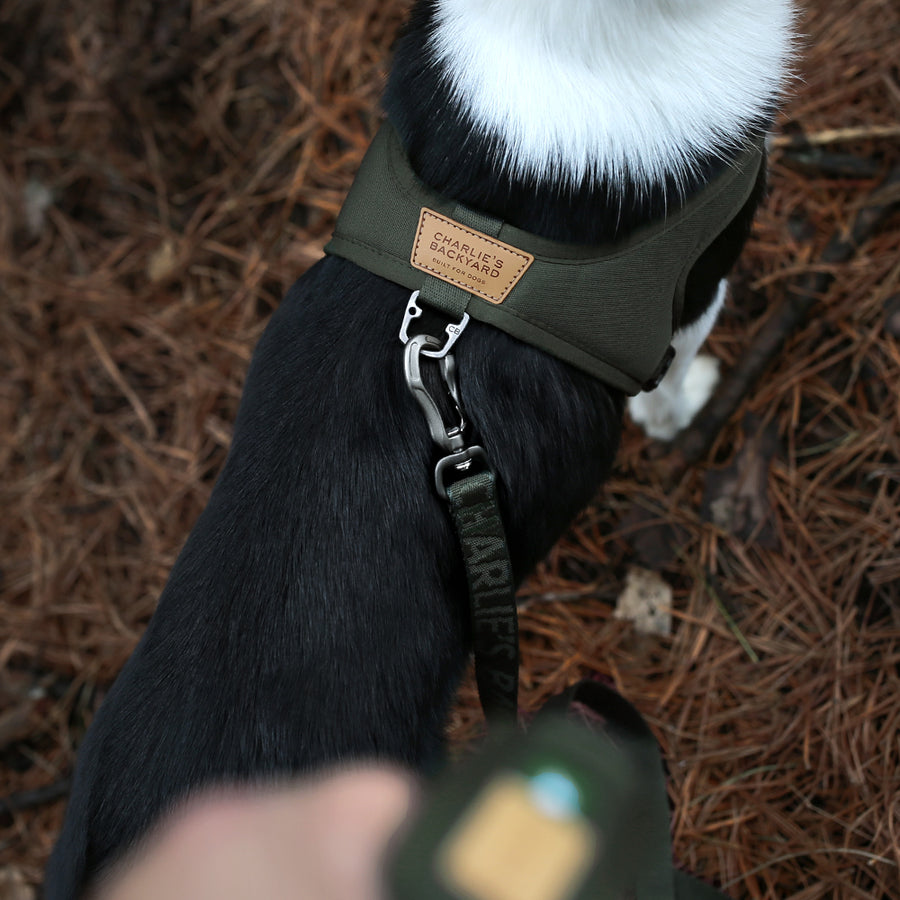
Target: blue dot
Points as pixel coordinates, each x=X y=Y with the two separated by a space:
x=555 y=794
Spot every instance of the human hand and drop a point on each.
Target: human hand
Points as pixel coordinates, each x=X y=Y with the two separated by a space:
x=322 y=838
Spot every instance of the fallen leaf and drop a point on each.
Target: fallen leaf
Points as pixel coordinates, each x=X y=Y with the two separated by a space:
x=646 y=601
x=13 y=885
x=38 y=199
x=162 y=262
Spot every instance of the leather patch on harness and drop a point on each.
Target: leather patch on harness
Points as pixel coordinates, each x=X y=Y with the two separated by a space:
x=469 y=259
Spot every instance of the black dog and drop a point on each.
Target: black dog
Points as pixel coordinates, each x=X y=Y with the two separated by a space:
x=318 y=611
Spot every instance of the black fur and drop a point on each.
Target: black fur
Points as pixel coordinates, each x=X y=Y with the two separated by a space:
x=318 y=610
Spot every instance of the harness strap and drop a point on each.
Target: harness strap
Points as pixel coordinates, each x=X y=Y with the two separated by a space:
x=610 y=310
x=495 y=627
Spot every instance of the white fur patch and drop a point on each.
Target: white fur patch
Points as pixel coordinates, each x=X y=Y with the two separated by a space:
x=597 y=88
x=662 y=413
x=688 y=384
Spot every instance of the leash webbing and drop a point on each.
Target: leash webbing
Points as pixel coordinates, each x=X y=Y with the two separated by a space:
x=495 y=628
x=463 y=477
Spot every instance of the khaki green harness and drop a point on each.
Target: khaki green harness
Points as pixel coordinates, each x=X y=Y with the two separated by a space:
x=610 y=310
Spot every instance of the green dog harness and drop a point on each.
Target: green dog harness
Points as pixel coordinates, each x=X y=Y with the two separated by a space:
x=610 y=310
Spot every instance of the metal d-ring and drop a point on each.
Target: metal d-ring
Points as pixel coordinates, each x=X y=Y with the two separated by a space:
x=453 y=329
x=460 y=461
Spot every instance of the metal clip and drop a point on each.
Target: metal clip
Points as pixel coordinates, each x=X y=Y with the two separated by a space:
x=449 y=438
x=461 y=461
x=453 y=329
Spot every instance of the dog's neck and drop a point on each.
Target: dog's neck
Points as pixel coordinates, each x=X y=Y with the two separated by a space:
x=545 y=112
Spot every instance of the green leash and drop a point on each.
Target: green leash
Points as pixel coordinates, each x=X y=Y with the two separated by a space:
x=495 y=625
x=465 y=480
x=641 y=868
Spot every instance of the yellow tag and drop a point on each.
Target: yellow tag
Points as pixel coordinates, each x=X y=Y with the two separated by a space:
x=469 y=259
x=507 y=848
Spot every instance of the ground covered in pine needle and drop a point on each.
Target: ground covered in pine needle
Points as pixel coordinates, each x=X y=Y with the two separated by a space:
x=168 y=169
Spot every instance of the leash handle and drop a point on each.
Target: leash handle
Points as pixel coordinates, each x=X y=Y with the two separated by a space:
x=622 y=723
x=561 y=810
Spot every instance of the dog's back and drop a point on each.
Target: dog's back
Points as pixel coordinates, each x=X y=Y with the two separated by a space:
x=318 y=610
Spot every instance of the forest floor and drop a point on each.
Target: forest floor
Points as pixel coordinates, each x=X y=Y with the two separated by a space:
x=168 y=169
